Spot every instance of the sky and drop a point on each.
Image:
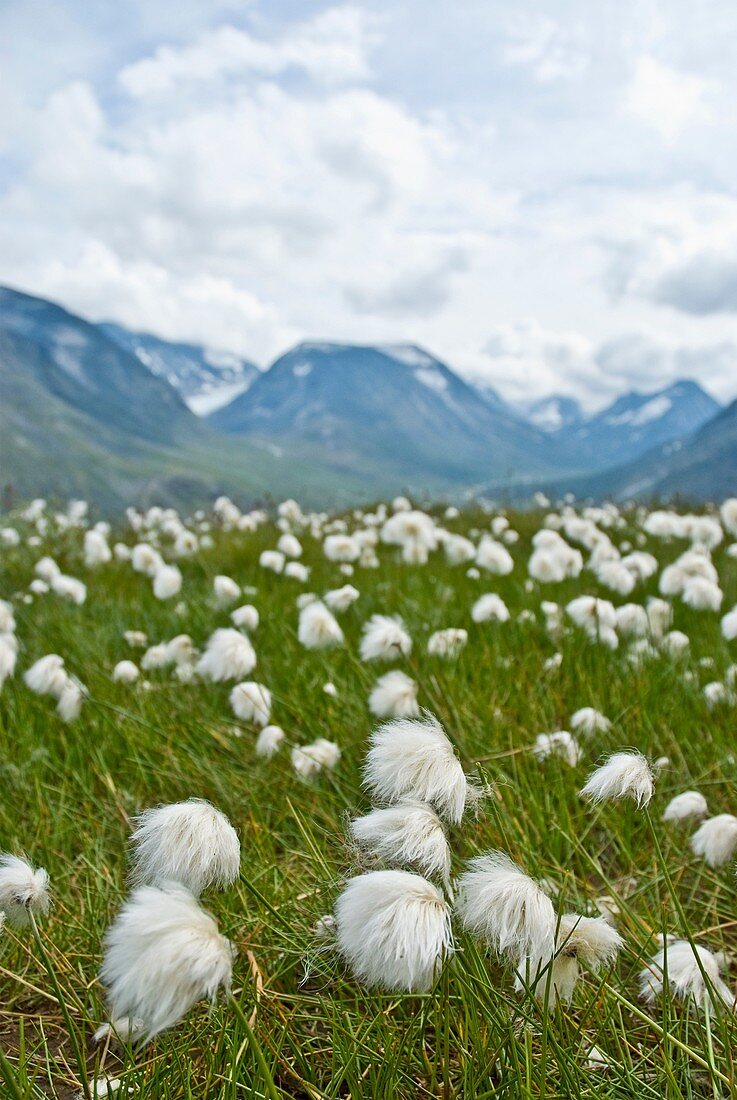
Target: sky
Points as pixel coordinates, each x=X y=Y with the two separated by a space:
x=543 y=195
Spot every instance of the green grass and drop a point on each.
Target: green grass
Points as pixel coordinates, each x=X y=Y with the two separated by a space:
x=68 y=794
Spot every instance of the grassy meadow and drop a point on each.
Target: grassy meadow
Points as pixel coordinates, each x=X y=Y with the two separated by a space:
x=299 y=1024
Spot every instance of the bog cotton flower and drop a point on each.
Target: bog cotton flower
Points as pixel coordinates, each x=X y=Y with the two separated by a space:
x=393 y=930
x=71 y=697
x=228 y=655
x=318 y=628
x=46 y=676
x=561 y=743
x=251 y=702
x=409 y=833
x=384 y=638
x=309 y=760
x=685 y=806
x=413 y=758
x=490 y=608
x=340 y=599
x=163 y=953
x=447 y=643
x=69 y=588
x=167 y=582
x=581 y=941
x=191 y=843
x=23 y=890
x=687 y=966
x=716 y=839
x=245 y=617
x=502 y=905
x=269 y=740
x=588 y=721
x=624 y=775
x=493 y=557
x=394 y=695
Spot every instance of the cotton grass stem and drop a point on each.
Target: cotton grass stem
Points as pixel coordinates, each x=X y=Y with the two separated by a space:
x=271 y=1089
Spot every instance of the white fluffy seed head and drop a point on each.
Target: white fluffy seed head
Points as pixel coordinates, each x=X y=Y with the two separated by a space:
x=46 y=676
x=163 y=953
x=191 y=843
x=685 y=806
x=409 y=833
x=590 y=942
x=587 y=721
x=125 y=672
x=245 y=617
x=23 y=890
x=413 y=758
x=393 y=930
x=251 y=702
x=498 y=902
x=490 y=608
x=309 y=760
x=269 y=740
x=716 y=840
x=683 y=966
x=228 y=655
x=167 y=582
x=318 y=628
x=624 y=775
x=561 y=743
x=385 y=638
x=394 y=695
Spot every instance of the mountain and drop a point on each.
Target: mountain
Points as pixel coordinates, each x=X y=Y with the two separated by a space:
x=551 y=414
x=80 y=416
x=89 y=372
x=700 y=468
x=393 y=409
x=205 y=379
x=636 y=423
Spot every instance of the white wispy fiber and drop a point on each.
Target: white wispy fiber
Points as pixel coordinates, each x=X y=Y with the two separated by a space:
x=590 y=942
x=394 y=695
x=125 y=672
x=729 y=625
x=716 y=840
x=191 y=843
x=7 y=618
x=225 y=590
x=632 y=621
x=46 y=676
x=228 y=655
x=245 y=617
x=493 y=557
x=702 y=594
x=685 y=967
x=597 y=617
x=71 y=698
x=458 y=550
x=309 y=760
x=490 y=608
x=145 y=559
x=167 y=582
x=413 y=758
x=384 y=638
x=675 y=643
x=394 y=930
x=135 y=638
x=685 y=806
x=340 y=599
x=23 y=890
x=272 y=560
x=561 y=743
x=408 y=833
x=289 y=545
x=624 y=775
x=448 y=642
x=251 y=702
x=502 y=905
x=659 y=615
x=46 y=568
x=341 y=548
x=318 y=628
x=588 y=721
x=8 y=656
x=269 y=740
x=69 y=588
x=298 y=571
x=716 y=694
x=163 y=954
x=414 y=531
x=96 y=550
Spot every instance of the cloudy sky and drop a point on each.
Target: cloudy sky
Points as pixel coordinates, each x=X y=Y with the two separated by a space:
x=542 y=194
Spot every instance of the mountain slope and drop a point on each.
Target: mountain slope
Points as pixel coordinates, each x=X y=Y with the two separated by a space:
x=204 y=378
x=397 y=408
x=700 y=468
x=636 y=422
x=89 y=372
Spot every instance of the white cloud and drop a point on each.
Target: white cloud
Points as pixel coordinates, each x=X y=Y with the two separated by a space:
x=665 y=99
